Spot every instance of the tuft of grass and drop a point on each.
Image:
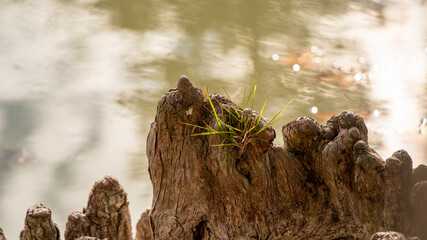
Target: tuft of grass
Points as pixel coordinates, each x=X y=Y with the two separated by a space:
x=236 y=128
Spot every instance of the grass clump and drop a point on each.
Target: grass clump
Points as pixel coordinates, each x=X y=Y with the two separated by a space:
x=238 y=128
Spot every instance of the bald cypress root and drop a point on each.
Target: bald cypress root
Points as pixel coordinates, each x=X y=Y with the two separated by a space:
x=39 y=225
x=105 y=216
x=325 y=182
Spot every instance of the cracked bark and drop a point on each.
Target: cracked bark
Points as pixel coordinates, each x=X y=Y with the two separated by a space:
x=105 y=216
x=325 y=182
x=143 y=228
x=39 y=225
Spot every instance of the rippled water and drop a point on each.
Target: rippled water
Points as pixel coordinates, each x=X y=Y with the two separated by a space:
x=80 y=81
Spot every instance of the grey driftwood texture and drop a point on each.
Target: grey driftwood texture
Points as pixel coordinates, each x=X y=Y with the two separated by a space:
x=325 y=182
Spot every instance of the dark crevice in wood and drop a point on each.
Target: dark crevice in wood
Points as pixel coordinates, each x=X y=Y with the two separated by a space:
x=200 y=230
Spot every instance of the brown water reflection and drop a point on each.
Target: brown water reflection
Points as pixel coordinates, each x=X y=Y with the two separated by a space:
x=80 y=81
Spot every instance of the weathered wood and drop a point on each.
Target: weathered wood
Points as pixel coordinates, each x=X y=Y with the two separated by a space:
x=418 y=201
x=391 y=236
x=388 y=236
x=143 y=228
x=419 y=174
x=89 y=238
x=39 y=225
x=2 y=237
x=324 y=183
x=105 y=216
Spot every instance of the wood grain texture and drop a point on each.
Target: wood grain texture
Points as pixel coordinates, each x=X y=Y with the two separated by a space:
x=325 y=182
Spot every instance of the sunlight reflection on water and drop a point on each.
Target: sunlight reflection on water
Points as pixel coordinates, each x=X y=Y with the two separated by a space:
x=395 y=51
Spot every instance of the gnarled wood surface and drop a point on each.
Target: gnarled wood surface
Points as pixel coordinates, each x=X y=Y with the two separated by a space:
x=143 y=228
x=325 y=182
x=391 y=236
x=89 y=238
x=39 y=224
x=105 y=216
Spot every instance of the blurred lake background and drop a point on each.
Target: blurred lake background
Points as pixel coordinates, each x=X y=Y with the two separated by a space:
x=80 y=81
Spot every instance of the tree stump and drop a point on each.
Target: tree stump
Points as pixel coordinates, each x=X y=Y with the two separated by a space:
x=325 y=182
x=39 y=225
x=105 y=216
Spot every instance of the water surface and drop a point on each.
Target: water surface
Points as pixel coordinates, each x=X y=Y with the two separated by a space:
x=80 y=81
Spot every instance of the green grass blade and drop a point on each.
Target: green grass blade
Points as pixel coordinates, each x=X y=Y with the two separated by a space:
x=235 y=116
x=272 y=120
x=262 y=110
x=247 y=122
x=232 y=103
x=229 y=112
x=224 y=144
x=253 y=99
x=282 y=110
x=211 y=133
x=271 y=123
x=244 y=92
x=239 y=118
x=204 y=133
x=213 y=108
x=250 y=94
x=252 y=128
x=231 y=127
x=222 y=110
